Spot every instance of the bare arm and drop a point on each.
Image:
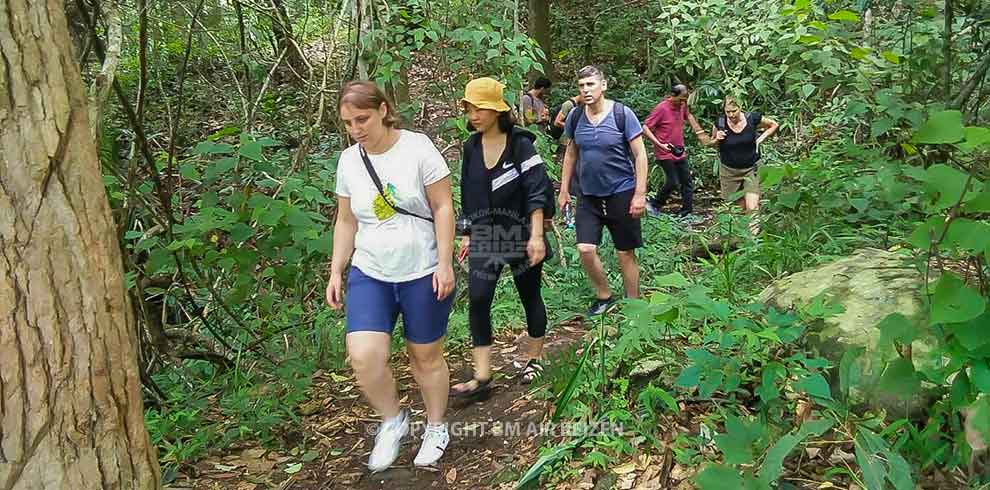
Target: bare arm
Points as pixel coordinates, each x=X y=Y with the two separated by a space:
x=344 y=231
x=769 y=127
x=560 y=120
x=696 y=128
x=638 y=205
x=343 y=247
x=641 y=164
x=442 y=203
x=567 y=168
x=650 y=136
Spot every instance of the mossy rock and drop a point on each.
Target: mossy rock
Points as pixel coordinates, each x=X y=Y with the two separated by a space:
x=868 y=285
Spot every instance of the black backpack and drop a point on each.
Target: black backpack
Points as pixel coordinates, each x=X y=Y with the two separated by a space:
x=619 y=113
x=552 y=129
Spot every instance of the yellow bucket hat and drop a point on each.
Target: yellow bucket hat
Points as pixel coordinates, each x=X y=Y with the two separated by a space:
x=485 y=93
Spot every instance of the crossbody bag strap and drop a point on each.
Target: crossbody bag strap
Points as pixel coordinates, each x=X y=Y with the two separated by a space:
x=381 y=191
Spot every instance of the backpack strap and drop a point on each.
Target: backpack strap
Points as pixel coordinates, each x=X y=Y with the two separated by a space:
x=619 y=113
x=572 y=124
x=721 y=124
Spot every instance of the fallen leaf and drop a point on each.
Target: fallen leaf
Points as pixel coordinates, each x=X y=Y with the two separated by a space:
x=309 y=456
x=625 y=468
x=627 y=481
x=254 y=453
x=293 y=468
x=247 y=486
x=451 y=476
x=509 y=350
x=222 y=476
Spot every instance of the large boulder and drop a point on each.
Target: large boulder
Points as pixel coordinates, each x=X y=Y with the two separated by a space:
x=869 y=286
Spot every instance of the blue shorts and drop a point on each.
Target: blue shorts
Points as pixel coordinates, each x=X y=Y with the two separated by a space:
x=374 y=306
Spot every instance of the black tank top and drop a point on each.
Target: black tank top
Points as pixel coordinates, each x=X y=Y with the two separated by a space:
x=738 y=150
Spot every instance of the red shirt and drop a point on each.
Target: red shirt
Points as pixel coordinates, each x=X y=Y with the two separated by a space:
x=667 y=123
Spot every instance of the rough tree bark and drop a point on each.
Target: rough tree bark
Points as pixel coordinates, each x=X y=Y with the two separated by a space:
x=71 y=414
x=539 y=29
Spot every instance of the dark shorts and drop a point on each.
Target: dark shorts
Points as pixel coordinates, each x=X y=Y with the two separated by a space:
x=611 y=212
x=374 y=306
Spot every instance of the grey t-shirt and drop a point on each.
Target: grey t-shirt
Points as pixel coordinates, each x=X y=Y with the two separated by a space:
x=533 y=107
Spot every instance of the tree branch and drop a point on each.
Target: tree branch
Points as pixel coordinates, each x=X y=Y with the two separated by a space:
x=974 y=80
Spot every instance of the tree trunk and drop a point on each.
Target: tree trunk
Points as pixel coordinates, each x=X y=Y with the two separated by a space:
x=71 y=414
x=539 y=29
x=282 y=30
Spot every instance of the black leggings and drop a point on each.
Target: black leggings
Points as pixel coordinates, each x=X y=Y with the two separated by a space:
x=678 y=174
x=481 y=291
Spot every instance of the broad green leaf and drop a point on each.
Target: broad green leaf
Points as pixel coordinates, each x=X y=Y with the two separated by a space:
x=718 y=477
x=737 y=442
x=882 y=125
x=219 y=168
x=240 y=232
x=976 y=138
x=980 y=375
x=814 y=384
x=941 y=128
x=897 y=328
x=873 y=470
x=961 y=390
x=980 y=203
x=674 y=279
x=712 y=381
x=968 y=235
x=807 y=89
x=900 y=378
x=850 y=371
x=132 y=234
x=979 y=416
x=974 y=334
x=955 y=302
x=251 y=150
x=770 y=175
x=773 y=464
x=947 y=183
x=891 y=57
x=859 y=53
x=689 y=378
x=211 y=148
x=189 y=171
x=845 y=16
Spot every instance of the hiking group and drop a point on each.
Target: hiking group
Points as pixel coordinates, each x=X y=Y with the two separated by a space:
x=395 y=230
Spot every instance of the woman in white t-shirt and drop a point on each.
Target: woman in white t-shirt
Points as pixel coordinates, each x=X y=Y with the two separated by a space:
x=395 y=215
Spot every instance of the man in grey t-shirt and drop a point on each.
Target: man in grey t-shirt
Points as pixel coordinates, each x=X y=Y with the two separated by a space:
x=608 y=138
x=533 y=104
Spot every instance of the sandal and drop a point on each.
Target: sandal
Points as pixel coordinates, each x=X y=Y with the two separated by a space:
x=531 y=371
x=483 y=388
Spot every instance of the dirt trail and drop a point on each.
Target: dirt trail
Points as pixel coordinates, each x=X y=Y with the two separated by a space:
x=489 y=446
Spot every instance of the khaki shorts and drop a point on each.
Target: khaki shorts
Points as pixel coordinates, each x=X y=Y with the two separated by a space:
x=733 y=180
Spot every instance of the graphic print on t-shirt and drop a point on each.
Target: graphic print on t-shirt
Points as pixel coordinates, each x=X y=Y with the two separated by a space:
x=383 y=211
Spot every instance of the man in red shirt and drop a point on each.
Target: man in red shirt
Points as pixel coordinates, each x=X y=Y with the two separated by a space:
x=665 y=128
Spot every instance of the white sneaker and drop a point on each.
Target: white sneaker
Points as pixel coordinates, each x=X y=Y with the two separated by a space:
x=435 y=442
x=387 y=442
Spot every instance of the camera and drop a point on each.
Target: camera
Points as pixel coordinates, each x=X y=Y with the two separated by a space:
x=676 y=150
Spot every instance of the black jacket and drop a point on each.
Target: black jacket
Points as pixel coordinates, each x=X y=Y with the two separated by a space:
x=506 y=195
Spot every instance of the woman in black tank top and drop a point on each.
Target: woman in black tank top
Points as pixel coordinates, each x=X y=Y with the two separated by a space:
x=738 y=136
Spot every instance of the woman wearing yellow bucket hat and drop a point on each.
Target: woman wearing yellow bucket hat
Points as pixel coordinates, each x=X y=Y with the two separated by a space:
x=504 y=191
